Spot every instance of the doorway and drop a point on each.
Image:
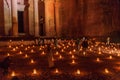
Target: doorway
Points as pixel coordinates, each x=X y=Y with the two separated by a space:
x=41 y=18
x=20 y=22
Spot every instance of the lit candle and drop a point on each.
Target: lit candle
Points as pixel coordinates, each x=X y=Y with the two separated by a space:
x=56 y=71
x=98 y=59
x=13 y=74
x=60 y=57
x=32 y=61
x=99 y=52
x=8 y=54
x=43 y=53
x=110 y=57
x=70 y=52
x=26 y=55
x=14 y=49
x=20 y=52
x=106 y=70
x=73 y=56
x=78 y=72
x=32 y=50
x=57 y=53
x=73 y=62
x=9 y=46
x=34 y=71
x=84 y=53
x=74 y=50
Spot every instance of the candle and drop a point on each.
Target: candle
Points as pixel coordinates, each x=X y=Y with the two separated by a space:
x=13 y=74
x=106 y=70
x=78 y=72
x=34 y=71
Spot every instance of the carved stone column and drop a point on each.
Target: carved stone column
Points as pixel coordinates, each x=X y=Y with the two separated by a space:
x=49 y=18
x=36 y=16
x=14 y=18
x=2 y=31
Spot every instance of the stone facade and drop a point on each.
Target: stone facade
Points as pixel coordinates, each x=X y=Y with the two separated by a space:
x=64 y=18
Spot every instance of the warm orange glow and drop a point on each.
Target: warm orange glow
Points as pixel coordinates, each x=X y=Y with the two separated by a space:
x=70 y=52
x=20 y=52
x=13 y=74
x=32 y=50
x=32 y=61
x=84 y=53
x=14 y=49
x=26 y=48
x=56 y=71
x=98 y=59
x=10 y=46
x=106 y=70
x=60 y=57
x=78 y=72
x=43 y=53
x=21 y=45
x=74 y=50
x=62 y=50
x=73 y=56
x=57 y=53
x=34 y=71
x=73 y=62
x=99 y=52
x=118 y=54
x=8 y=54
x=110 y=57
x=26 y=55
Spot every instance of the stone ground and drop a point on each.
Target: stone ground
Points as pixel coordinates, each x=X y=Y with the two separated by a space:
x=107 y=68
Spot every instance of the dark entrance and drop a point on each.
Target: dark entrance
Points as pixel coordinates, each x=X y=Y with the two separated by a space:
x=41 y=18
x=20 y=22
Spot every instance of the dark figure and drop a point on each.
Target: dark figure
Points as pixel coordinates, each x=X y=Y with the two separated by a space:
x=5 y=64
x=85 y=44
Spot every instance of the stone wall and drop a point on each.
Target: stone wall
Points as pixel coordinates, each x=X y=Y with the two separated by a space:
x=2 y=32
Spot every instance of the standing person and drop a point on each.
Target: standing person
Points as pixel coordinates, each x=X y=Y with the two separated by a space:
x=85 y=44
x=50 y=56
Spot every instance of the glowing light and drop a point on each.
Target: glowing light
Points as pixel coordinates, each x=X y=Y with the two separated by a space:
x=20 y=52
x=118 y=54
x=10 y=46
x=73 y=56
x=99 y=52
x=56 y=71
x=34 y=71
x=32 y=51
x=98 y=59
x=60 y=57
x=8 y=54
x=110 y=57
x=14 y=49
x=106 y=70
x=73 y=62
x=57 y=53
x=13 y=74
x=21 y=45
x=70 y=52
x=43 y=53
x=74 y=50
x=26 y=56
x=84 y=53
x=26 y=48
x=53 y=59
x=62 y=50
x=32 y=61
x=78 y=72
